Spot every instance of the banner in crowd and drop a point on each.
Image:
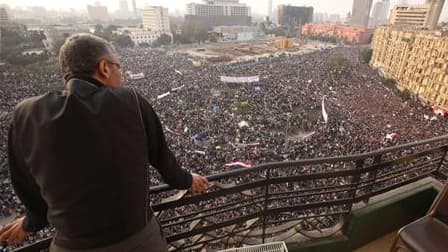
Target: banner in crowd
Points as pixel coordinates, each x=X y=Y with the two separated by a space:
x=177 y=89
x=163 y=95
x=249 y=79
x=324 y=112
x=438 y=111
x=238 y=164
x=137 y=76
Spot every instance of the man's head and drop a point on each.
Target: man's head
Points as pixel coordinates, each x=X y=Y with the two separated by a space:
x=88 y=55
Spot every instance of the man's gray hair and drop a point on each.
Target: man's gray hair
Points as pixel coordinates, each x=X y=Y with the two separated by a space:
x=80 y=53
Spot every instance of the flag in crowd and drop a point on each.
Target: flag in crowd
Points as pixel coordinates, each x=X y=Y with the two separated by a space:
x=324 y=112
x=238 y=164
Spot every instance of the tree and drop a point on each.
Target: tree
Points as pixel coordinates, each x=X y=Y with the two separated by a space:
x=390 y=83
x=366 y=55
x=105 y=33
x=164 y=39
x=123 y=41
x=99 y=30
x=339 y=62
x=243 y=107
x=144 y=44
x=10 y=43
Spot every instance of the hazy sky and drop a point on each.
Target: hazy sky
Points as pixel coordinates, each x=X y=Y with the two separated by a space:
x=258 y=6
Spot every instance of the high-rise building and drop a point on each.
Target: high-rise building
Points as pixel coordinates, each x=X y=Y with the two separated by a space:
x=380 y=12
x=416 y=59
x=98 y=12
x=213 y=13
x=123 y=5
x=417 y=16
x=434 y=13
x=134 y=8
x=294 y=15
x=361 y=12
x=156 y=18
x=123 y=9
x=4 y=18
x=270 y=9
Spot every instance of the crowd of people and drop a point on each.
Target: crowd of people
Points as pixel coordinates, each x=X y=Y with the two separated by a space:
x=209 y=124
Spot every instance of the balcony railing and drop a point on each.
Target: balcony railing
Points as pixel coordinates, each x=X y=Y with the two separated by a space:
x=279 y=201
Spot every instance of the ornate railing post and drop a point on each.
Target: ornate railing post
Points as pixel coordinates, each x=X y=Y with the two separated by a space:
x=356 y=180
x=266 y=197
x=444 y=159
x=372 y=175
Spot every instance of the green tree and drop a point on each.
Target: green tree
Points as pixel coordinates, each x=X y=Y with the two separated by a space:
x=243 y=107
x=339 y=63
x=11 y=41
x=390 y=83
x=122 y=41
x=164 y=39
x=99 y=30
x=366 y=55
x=144 y=44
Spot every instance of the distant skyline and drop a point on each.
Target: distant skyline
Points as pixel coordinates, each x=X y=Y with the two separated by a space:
x=341 y=7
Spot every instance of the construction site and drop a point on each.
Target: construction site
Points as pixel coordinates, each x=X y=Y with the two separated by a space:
x=238 y=51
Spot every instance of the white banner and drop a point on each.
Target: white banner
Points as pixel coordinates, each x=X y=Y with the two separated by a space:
x=324 y=112
x=137 y=76
x=163 y=95
x=249 y=79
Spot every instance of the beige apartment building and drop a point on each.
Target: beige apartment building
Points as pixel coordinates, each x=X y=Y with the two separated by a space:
x=416 y=59
x=417 y=16
x=156 y=18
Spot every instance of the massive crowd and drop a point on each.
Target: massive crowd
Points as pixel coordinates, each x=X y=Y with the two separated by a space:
x=209 y=123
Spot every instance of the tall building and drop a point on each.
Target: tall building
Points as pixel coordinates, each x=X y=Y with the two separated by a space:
x=134 y=8
x=294 y=15
x=98 y=12
x=123 y=9
x=361 y=12
x=123 y=6
x=416 y=59
x=417 y=16
x=4 y=18
x=213 y=13
x=434 y=13
x=156 y=18
x=270 y=9
x=380 y=13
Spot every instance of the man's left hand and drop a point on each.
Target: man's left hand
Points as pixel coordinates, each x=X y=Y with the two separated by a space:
x=199 y=184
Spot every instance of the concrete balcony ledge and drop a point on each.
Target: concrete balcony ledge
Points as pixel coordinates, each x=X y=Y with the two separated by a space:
x=372 y=226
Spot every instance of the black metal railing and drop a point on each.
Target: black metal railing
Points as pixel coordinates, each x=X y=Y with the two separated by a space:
x=278 y=201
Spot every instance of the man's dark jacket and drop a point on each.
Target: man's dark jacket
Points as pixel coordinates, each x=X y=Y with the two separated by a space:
x=79 y=161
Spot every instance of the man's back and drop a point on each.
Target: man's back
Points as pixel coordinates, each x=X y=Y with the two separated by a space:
x=78 y=159
x=86 y=149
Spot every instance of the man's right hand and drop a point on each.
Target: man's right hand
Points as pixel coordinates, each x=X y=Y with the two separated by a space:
x=199 y=184
x=13 y=232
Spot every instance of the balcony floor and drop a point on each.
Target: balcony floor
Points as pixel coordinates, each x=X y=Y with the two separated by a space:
x=381 y=244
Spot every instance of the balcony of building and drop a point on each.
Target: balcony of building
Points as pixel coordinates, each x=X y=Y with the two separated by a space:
x=350 y=203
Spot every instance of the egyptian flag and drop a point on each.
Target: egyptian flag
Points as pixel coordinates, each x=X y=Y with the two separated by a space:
x=238 y=164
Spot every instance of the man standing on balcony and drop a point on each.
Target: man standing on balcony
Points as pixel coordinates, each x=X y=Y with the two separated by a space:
x=79 y=158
